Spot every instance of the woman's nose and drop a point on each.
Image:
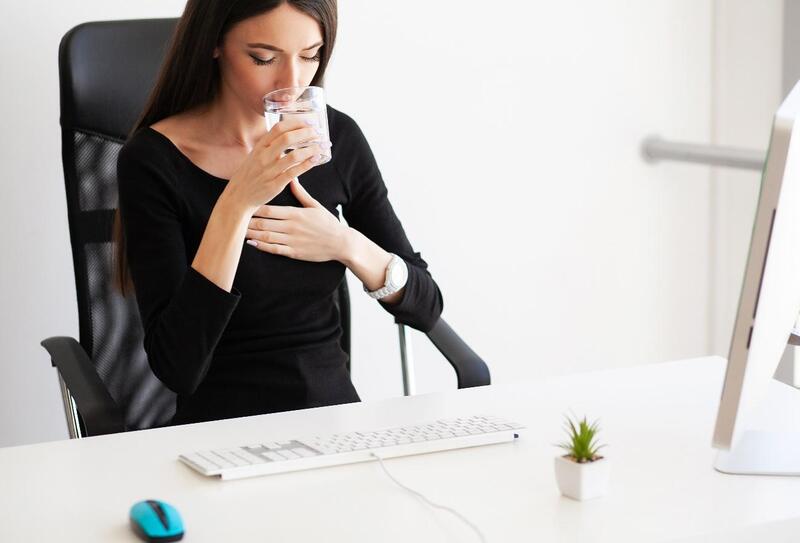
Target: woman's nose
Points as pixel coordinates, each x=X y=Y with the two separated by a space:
x=290 y=77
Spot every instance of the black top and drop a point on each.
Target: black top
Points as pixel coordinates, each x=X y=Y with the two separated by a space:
x=272 y=343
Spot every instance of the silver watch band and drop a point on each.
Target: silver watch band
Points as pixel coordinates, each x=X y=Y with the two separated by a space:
x=388 y=288
x=381 y=292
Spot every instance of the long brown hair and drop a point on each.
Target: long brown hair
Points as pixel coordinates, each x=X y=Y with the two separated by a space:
x=189 y=76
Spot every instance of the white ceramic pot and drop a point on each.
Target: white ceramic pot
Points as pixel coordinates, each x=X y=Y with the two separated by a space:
x=582 y=481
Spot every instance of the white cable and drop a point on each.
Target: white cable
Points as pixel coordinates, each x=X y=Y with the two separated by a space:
x=429 y=502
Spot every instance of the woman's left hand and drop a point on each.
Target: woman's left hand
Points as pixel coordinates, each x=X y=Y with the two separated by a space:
x=310 y=233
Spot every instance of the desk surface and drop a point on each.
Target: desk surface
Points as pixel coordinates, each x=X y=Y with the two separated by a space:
x=657 y=420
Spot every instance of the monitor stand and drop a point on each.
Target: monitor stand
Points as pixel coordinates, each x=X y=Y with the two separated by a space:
x=762 y=453
x=775 y=449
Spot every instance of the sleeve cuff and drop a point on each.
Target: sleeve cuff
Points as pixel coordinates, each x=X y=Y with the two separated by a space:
x=421 y=305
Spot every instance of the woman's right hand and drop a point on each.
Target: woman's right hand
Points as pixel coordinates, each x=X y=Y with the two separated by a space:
x=265 y=173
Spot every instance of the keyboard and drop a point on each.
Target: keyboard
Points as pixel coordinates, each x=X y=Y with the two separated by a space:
x=272 y=457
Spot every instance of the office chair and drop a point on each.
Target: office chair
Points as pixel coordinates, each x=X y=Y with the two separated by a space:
x=106 y=70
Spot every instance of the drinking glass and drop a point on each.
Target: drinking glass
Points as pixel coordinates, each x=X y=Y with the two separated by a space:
x=305 y=103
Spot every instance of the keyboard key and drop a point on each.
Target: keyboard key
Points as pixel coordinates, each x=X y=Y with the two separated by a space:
x=250 y=457
x=202 y=462
x=230 y=457
x=275 y=457
x=221 y=461
x=289 y=454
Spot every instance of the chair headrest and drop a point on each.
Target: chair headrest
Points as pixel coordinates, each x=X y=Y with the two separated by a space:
x=107 y=70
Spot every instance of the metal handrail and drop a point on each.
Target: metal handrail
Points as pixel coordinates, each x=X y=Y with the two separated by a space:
x=407 y=361
x=70 y=410
x=655 y=149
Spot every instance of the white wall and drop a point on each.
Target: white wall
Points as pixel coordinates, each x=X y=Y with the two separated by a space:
x=509 y=139
x=557 y=248
x=748 y=90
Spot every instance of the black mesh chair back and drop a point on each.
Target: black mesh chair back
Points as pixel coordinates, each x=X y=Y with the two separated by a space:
x=106 y=71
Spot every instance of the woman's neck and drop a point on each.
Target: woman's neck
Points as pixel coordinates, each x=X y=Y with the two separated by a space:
x=230 y=123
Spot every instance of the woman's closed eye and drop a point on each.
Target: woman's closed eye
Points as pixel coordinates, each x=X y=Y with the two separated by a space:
x=265 y=62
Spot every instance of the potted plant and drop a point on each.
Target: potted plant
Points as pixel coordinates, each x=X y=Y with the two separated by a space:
x=581 y=473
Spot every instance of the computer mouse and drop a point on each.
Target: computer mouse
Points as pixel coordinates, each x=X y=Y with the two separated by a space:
x=154 y=520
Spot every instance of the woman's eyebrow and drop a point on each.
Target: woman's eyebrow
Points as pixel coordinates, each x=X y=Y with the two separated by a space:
x=273 y=48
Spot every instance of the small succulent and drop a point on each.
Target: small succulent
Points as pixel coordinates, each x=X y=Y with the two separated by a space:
x=582 y=445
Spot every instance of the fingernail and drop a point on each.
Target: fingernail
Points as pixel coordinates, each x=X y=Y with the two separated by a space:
x=310 y=123
x=252 y=242
x=325 y=144
x=319 y=131
x=316 y=158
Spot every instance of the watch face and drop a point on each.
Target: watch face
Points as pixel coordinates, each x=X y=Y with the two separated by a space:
x=398 y=274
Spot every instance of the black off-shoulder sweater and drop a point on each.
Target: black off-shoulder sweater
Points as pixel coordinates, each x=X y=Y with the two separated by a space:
x=272 y=343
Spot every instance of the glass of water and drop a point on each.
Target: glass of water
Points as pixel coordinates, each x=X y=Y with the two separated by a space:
x=305 y=103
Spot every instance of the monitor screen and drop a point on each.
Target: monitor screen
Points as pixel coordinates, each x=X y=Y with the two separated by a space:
x=770 y=297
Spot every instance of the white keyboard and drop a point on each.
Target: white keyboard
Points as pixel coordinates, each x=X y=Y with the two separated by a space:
x=272 y=457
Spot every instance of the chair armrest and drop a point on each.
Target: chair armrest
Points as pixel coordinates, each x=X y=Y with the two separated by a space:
x=100 y=413
x=471 y=370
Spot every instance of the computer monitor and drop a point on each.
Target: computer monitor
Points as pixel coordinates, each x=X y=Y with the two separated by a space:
x=768 y=309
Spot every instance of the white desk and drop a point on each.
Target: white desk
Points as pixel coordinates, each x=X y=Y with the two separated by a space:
x=657 y=420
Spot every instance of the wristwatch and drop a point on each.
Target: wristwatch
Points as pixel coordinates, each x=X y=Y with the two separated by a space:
x=396 y=277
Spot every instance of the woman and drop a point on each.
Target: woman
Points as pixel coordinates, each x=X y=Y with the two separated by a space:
x=235 y=261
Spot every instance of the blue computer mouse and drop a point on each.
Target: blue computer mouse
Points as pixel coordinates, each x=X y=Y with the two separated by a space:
x=154 y=520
